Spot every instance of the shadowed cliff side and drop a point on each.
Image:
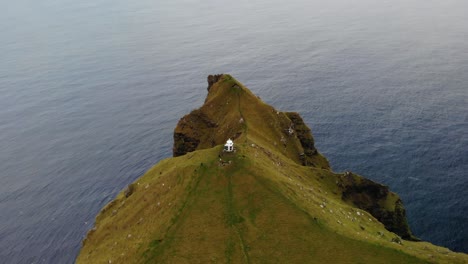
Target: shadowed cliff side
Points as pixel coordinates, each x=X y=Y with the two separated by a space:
x=376 y=199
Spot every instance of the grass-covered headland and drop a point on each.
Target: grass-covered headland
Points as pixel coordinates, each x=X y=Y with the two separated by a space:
x=274 y=200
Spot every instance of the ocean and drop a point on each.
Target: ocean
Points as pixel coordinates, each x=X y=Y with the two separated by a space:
x=90 y=92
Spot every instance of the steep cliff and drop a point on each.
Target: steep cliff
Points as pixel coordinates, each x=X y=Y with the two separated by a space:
x=274 y=199
x=376 y=199
x=233 y=111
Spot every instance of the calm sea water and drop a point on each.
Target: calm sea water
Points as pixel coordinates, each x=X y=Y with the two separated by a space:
x=90 y=92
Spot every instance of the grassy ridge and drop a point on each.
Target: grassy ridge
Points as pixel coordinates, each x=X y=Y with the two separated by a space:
x=230 y=214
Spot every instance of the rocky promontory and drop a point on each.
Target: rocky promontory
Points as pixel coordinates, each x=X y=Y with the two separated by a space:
x=273 y=199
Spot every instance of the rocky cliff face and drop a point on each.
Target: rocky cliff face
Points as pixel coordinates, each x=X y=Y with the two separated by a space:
x=212 y=79
x=190 y=132
x=304 y=135
x=376 y=199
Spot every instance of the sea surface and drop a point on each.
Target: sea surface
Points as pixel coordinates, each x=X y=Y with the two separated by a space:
x=90 y=92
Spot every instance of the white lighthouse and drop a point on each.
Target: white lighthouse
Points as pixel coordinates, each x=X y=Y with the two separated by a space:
x=229 y=146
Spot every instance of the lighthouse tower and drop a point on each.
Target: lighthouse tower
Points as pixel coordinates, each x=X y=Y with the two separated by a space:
x=229 y=146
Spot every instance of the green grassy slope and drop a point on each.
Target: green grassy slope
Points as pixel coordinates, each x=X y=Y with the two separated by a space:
x=257 y=205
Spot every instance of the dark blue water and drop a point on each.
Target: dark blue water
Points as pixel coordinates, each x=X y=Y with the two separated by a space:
x=90 y=92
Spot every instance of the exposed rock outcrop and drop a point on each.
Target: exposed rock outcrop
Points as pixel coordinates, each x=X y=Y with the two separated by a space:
x=376 y=199
x=304 y=135
x=184 y=144
x=191 y=127
x=212 y=79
